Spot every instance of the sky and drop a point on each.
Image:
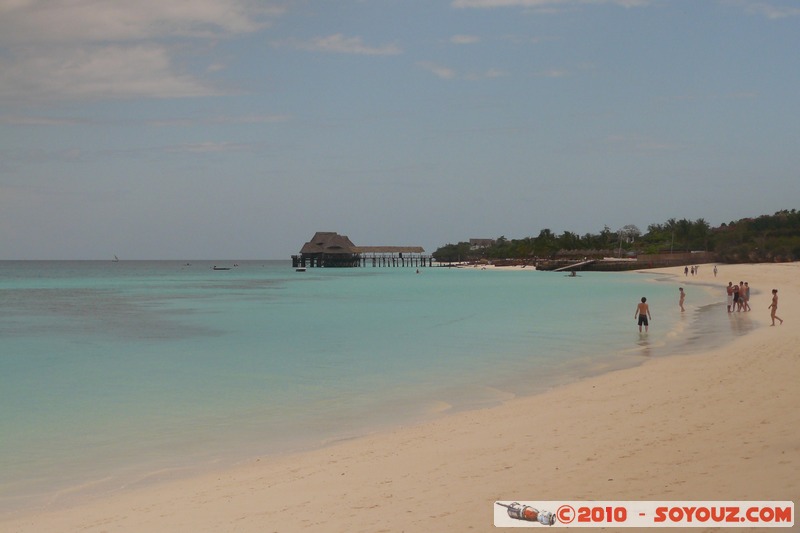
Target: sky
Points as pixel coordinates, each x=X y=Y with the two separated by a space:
x=236 y=129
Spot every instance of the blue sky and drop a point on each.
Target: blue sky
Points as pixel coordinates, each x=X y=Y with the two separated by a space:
x=192 y=129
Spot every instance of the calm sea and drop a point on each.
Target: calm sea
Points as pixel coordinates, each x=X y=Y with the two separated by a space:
x=116 y=373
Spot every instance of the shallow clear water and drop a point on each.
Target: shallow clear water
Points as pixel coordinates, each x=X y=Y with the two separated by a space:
x=110 y=371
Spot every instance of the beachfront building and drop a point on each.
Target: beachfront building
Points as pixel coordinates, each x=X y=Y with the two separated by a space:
x=479 y=244
x=329 y=249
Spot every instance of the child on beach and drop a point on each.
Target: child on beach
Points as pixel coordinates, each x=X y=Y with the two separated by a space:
x=683 y=297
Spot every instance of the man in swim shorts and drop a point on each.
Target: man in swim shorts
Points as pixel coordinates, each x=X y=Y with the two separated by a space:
x=730 y=295
x=643 y=313
x=746 y=296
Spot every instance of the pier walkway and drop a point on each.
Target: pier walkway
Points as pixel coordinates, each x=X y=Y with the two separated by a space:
x=575 y=265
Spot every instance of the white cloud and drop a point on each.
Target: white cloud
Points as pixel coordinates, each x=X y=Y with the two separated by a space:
x=464 y=39
x=82 y=21
x=495 y=73
x=769 y=10
x=554 y=73
x=96 y=72
x=252 y=119
x=542 y=3
x=341 y=44
x=447 y=73
x=440 y=71
x=208 y=147
x=245 y=119
x=73 y=49
x=489 y=74
x=21 y=120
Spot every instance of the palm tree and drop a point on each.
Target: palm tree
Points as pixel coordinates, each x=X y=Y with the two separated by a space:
x=684 y=228
x=671 y=225
x=701 y=230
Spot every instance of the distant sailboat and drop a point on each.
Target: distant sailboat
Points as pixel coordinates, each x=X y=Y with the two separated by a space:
x=115 y=260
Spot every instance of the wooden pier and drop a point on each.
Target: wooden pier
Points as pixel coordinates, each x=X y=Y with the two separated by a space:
x=329 y=249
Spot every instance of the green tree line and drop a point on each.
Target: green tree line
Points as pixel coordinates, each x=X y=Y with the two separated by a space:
x=765 y=238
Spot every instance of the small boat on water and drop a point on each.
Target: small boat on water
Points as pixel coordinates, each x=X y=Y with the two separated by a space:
x=301 y=269
x=215 y=267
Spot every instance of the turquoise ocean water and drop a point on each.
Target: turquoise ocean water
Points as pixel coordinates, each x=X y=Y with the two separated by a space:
x=116 y=373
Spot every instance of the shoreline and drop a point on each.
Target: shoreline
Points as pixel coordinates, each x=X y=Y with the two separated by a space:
x=71 y=479
x=712 y=425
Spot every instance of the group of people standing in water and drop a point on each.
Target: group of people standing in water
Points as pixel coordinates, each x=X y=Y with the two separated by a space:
x=738 y=301
x=738 y=297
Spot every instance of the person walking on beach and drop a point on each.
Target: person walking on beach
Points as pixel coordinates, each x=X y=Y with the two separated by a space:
x=736 y=305
x=774 y=307
x=643 y=313
x=683 y=297
x=686 y=271
x=715 y=271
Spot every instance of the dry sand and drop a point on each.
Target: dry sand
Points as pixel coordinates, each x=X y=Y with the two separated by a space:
x=716 y=425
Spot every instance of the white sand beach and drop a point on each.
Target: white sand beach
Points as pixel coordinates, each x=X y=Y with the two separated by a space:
x=715 y=425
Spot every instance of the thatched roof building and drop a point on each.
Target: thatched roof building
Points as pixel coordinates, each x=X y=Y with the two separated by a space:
x=329 y=249
x=328 y=242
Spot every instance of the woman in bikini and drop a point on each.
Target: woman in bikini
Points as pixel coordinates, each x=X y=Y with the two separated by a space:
x=774 y=307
